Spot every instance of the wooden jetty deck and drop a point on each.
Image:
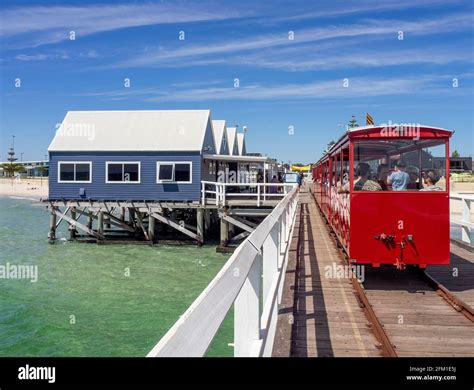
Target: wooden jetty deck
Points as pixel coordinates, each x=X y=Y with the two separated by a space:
x=459 y=277
x=417 y=320
x=321 y=316
x=327 y=318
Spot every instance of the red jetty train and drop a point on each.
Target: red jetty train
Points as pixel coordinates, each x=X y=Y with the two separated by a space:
x=385 y=192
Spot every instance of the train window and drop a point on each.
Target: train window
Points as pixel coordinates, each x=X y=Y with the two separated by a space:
x=399 y=165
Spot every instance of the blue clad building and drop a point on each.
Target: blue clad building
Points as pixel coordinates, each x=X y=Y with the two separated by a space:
x=131 y=155
x=126 y=172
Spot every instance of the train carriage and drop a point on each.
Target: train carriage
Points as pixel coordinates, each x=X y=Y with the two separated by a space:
x=385 y=195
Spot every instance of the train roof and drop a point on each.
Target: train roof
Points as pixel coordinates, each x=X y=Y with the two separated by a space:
x=392 y=125
x=389 y=131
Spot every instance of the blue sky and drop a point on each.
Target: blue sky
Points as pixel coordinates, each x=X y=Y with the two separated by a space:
x=282 y=82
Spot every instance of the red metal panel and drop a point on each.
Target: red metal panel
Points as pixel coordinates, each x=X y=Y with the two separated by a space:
x=404 y=132
x=423 y=215
x=447 y=174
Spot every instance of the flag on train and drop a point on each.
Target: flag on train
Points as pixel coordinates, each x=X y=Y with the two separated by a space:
x=368 y=119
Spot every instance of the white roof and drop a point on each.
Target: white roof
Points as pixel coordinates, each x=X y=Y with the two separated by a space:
x=231 y=135
x=153 y=130
x=218 y=127
x=222 y=157
x=241 y=143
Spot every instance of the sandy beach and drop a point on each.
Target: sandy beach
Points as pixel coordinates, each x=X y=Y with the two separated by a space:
x=33 y=189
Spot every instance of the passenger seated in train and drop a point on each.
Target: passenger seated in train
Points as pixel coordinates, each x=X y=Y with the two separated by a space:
x=399 y=179
x=430 y=177
x=414 y=174
x=362 y=183
x=382 y=175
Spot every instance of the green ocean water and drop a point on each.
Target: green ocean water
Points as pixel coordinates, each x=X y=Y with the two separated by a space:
x=83 y=303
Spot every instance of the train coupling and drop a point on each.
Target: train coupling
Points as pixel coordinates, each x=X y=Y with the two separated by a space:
x=399 y=264
x=384 y=237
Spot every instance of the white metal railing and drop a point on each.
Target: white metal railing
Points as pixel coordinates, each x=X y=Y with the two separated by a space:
x=220 y=193
x=251 y=280
x=465 y=222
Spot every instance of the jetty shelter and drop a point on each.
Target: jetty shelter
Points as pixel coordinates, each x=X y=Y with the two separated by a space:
x=159 y=155
x=231 y=156
x=144 y=172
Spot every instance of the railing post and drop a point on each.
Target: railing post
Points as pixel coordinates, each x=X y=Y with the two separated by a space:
x=282 y=238
x=258 y=194
x=466 y=218
x=270 y=277
x=270 y=260
x=247 y=313
x=203 y=193
x=100 y=223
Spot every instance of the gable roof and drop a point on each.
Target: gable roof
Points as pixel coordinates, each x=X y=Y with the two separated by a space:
x=241 y=144
x=231 y=139
x=219 y=131
x=152 y=130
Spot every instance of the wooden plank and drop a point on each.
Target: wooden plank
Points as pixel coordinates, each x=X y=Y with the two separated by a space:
x=113 y=220
x=140 y=223
x=78 y=224
x=237 y=223
x=176 y=225
x=326 y=313
x=239 y=237
x=245 y=221
x=334 y=352
x=60 y=219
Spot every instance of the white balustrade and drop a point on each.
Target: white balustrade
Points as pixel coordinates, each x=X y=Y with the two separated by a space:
x=465 y=222
x=251 y=280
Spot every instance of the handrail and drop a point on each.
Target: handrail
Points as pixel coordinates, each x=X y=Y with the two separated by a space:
x=465 y=222
x=461 y=196
x=222 y=195
x=251 y=280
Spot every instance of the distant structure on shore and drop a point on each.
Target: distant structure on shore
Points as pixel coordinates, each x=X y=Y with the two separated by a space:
x=36 y=168
x=456 y=164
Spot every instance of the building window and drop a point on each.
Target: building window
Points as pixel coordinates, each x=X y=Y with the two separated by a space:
x=123 y=172
x=174 y=172
x=74 y=172
x=165 y=172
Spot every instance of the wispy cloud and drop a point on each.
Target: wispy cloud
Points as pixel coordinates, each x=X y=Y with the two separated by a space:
x=357 y=87
x=309 y=58
x=40 y=25
x=215 y=52
x=362 y=7
x=34 y=57
x=61 y=55
x=316 y=90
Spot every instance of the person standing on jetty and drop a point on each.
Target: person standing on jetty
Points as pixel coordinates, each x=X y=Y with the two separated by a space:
x=300 y=180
